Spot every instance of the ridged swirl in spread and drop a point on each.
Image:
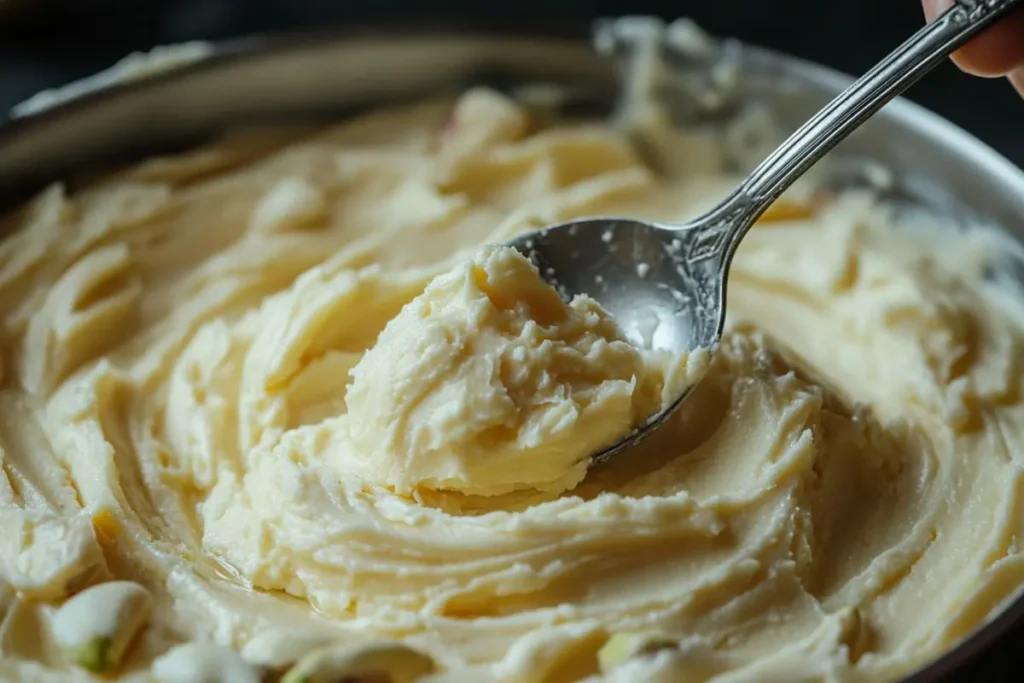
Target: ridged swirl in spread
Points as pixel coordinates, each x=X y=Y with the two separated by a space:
x=839 y=499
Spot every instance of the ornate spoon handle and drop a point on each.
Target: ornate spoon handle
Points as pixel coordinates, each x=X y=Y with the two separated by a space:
x=893 y=75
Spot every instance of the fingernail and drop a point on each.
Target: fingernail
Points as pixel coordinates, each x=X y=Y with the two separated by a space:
x=1017 y=80
x=933 y=8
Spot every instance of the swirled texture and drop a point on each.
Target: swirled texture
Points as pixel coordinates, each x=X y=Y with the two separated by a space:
x=839 y=500
x=487 y=383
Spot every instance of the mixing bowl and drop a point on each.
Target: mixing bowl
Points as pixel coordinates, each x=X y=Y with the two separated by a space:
x=917 y=158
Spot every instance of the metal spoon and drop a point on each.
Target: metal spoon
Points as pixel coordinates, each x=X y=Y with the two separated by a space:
x=665 y=283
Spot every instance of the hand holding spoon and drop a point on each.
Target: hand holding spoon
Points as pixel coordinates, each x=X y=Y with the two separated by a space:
x=667 y=282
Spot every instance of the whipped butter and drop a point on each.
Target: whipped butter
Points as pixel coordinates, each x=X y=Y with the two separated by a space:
x=288 y=390
x=488 y=383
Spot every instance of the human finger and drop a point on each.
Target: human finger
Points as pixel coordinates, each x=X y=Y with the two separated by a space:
x=999 y=51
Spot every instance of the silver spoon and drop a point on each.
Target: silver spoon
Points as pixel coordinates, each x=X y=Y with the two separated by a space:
x=665 y=283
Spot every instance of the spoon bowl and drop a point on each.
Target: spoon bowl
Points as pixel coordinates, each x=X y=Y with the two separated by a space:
x=666 y=283
x=662 y=283
x=644 y=274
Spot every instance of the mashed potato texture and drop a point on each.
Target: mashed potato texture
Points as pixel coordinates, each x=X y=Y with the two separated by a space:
x=284 y=384
x=488 y=383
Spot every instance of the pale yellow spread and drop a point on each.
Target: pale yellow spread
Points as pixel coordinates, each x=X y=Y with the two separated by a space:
x=488 y=383
x=233 y=377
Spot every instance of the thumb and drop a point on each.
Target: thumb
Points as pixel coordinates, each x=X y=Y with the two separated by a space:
x=999 y=51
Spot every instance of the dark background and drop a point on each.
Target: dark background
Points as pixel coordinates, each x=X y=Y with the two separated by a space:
x=44 y=43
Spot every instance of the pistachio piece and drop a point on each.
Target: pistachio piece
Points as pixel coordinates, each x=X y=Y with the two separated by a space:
x=380 y=662
x=203 y=663
x=626 y=645
x=95 y=628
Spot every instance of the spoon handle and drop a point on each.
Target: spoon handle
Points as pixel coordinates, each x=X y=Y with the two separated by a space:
x=910 y=61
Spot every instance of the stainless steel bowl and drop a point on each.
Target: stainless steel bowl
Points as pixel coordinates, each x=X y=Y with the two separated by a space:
x=317 y=77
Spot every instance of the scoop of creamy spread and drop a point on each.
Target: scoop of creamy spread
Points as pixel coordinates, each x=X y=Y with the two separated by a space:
x=488 y=383
x=278 y=391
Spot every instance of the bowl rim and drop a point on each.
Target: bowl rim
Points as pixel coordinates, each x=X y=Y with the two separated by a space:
x=225 y=52
x=961 y=143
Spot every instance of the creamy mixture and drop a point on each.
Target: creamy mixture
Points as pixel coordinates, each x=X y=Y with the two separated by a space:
x=273 y=406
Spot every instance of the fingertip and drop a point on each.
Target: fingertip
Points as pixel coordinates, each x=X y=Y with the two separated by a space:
x=933 y=8
x=997 y=52
x=1017 y=80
